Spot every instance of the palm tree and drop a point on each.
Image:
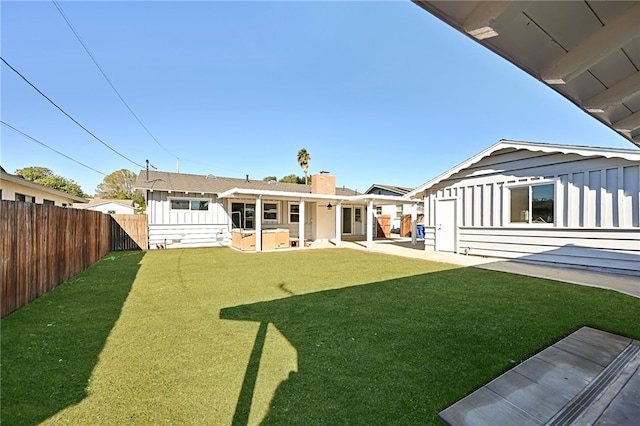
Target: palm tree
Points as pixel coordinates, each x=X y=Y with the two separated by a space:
x=303 y=160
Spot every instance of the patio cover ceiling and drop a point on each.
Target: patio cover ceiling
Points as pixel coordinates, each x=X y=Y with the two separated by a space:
x=588 y=51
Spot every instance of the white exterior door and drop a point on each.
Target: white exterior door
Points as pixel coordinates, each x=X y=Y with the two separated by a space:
x=446 y=225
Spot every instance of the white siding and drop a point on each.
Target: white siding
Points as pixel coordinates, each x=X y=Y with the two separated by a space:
x=597 y=208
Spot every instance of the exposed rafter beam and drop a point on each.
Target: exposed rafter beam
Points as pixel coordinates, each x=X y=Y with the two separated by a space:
x=612 y=36
x=481 y=22
x=615 y=95
x=628 y=124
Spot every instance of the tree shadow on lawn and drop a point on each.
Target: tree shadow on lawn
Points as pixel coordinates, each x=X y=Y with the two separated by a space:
x=50 y=346
x=399 y=351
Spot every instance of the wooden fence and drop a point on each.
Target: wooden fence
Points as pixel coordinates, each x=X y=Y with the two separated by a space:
x=43 y=246
x=131 y=232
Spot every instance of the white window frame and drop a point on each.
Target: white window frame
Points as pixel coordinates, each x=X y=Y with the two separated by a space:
x=265 y=211
x=290 y=212
x=189 y=201
x=529 y=184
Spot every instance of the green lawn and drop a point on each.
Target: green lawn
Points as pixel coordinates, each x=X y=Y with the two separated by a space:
x=217 y=337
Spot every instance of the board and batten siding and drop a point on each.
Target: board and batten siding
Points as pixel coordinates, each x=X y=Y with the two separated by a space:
x=211 y=228
x=597 y=209
x=186 y=228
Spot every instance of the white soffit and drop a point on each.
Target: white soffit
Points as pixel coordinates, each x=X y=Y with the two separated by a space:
x=588 y=51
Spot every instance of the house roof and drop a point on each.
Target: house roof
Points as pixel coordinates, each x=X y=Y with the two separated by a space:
x=101 y=201
x=585 y=151
x=588 y=52
x=397 y=189
x=19 y=180
x=232 y=187
x=183 y=182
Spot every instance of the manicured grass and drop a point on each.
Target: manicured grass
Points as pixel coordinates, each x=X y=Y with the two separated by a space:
x=213 y=336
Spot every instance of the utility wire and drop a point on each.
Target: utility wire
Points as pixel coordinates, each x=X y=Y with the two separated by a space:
x=70 y=117
x=107 y=78
x=52 y=149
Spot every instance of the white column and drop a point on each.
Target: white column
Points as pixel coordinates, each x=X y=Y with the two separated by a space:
x=258 y=220
x=369 y=224
x=425 y=201
x=338 y=239
x=414 y=228
x=301 y=225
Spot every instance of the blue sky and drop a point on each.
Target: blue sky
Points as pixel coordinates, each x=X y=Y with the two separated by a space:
x=377 y=92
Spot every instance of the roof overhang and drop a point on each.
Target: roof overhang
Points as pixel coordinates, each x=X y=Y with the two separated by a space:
x=27 y=183
x=584 y=151
x=589 y=52
x=296 y=196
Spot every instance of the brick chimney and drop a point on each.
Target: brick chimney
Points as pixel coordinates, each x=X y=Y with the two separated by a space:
x=323 y=183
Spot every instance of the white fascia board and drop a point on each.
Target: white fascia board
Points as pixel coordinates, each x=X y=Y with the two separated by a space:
x=585 y=151
x=239 y=192
x=382 y=199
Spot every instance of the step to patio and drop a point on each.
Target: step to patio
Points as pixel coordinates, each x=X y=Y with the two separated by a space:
x=590 y=377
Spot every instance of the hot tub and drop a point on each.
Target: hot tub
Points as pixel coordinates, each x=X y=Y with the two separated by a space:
x=272 y=239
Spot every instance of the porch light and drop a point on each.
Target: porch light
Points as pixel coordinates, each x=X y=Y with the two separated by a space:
x=329 y=206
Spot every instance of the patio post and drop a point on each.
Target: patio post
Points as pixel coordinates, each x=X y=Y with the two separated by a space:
x=258 y=220
x=414 y=227
x=338 y=239
x=301 y=225
x=370 y=219
x=425 y=211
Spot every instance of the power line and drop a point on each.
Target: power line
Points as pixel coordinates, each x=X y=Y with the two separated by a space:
x=70 y=117
x=105 y=76
x=52 y=149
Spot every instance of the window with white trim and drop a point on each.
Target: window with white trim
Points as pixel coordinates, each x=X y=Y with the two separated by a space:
x=193 y=205
x=532 y=203
x=358 y=214
x=378 y=210
x=399 y=211
x=294 y=213
x=270 y=212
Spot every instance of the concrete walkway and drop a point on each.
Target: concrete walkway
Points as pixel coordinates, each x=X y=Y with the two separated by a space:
x=622 y=283
x=588 y=378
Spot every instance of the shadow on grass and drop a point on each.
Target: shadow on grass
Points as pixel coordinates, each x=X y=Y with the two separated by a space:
x=50 y=347
x=399 y=351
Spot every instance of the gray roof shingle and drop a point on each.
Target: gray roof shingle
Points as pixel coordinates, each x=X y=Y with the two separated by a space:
x=183 y=182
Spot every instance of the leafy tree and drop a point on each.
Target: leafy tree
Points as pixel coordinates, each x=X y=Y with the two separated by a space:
x=270 y=178
x=294 y=179
x=119 y=185
x=303 y=160
x=46 y=177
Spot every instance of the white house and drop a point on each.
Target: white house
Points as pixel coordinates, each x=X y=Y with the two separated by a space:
x=17 y=188
x=197 y=210
x=108 y=206
x=539 y=202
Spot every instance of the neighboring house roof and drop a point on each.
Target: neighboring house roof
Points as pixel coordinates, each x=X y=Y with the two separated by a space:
x=585 y=51
x=585 y=151
x=183 y=182
x=19 y=180
x=397 y=189
x=101 y=201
